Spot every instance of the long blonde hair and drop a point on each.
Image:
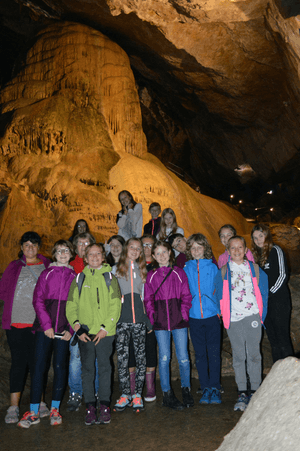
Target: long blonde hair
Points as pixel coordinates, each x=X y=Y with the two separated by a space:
x=123 y=264
x=162 y=233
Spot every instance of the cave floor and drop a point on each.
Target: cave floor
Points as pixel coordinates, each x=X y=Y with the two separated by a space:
x=200 y=428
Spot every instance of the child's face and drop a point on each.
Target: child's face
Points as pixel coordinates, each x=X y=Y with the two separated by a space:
x=115 y=248
x=81 y=227
x=162 y=256
x=94 y=257
x=147 y=246
x=134 y=250
x=197 y=251
x=179 y=244
x=82 y=243
x=259 y=238
x=155 y=212
x=237 y=251
x=63 y=255
x=225 y=235
x=168 y=219
x=125 y=199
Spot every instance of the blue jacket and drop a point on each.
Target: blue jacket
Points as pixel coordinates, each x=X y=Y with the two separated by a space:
x=262 y=285
x=202 y=273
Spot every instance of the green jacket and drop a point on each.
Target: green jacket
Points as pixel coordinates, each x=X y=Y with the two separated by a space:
x=97 y=306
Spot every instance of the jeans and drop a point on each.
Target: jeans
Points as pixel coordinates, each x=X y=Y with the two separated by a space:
x=180 y=337
x=75 y=379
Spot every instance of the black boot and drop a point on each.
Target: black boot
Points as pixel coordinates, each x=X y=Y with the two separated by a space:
x=187 y=398
x=170 y=400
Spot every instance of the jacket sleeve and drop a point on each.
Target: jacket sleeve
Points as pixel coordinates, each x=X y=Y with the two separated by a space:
x=72 y=304
x=7 y=279
x=264 y=291
x=121 y=219
x=218 y=288
x=249 y=255
x=278 y=267
x=135 y=215
x=149 y=298
x=39 y=297
x=114 y=310
x=186 y=297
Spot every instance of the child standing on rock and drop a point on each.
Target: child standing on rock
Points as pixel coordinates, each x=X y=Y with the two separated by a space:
x=242 y=290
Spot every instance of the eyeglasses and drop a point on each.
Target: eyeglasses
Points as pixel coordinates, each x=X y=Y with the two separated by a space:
x=80 y=244
x=149 y=245
x=63 y=251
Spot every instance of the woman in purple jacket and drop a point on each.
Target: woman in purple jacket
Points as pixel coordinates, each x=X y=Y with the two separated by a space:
x=52 y=332
x=167 y=302
x=16 y=290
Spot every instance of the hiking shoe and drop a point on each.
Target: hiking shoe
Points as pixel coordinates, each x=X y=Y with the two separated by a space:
x=12 y=415
x=215 y=397
x=28 y=419
x=44 y=411
x=104 y=414
x=206 y=397
x=90 y=415
x=187 y=399
x=74 y=402
x=241 y=403
x=170 y=400
x=137 y=403
x=123 y=402
x=55 y=417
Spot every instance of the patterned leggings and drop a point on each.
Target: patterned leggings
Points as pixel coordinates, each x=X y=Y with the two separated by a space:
x=138 y=332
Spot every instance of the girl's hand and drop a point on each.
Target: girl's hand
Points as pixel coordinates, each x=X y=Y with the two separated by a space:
x=49 y=333
x=67 y=336
x=101 y=334
x=84 y=338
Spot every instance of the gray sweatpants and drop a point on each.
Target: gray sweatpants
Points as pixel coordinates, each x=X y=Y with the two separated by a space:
x=245 y=338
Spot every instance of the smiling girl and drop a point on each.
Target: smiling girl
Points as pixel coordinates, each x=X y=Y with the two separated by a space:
x=167 y=302
x=168 y=225
x=130 y=217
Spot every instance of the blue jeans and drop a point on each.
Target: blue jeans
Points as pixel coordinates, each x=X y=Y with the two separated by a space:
x=75 y=380
x=180 y=337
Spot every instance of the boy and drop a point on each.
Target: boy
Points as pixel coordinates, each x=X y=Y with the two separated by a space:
x=178 y=242
x=153 y=226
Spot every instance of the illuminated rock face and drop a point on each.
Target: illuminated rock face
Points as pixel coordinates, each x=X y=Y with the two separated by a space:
x=73 y=139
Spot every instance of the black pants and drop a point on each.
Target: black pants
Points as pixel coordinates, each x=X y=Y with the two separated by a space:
x=151 y=351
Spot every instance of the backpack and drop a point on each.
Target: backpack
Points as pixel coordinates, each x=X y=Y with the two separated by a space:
x=80 y=279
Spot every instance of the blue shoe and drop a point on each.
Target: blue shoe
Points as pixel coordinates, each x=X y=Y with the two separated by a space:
x=123 y=402
x=215 y=397
x=206 y=398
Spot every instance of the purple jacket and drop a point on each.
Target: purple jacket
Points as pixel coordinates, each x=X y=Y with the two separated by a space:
x=169 y=308
x=8 y=285
x=50 y=298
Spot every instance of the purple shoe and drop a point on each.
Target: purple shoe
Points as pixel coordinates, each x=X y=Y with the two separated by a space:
x=90 y=416
x=104 y=414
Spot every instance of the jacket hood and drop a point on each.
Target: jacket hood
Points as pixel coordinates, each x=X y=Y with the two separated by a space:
x=104 y=268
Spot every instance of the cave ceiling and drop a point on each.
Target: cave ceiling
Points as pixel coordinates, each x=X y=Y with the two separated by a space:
x=218 y=81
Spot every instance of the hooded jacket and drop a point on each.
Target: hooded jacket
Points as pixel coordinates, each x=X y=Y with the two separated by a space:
x=50 y=298
x=201 y=274
x=168 y=309
x=8 y=285
x=97 y=306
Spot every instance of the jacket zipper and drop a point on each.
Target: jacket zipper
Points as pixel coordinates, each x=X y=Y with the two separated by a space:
x=167 y=306
x=200 y=300
x=132 y=296
x=58 y=307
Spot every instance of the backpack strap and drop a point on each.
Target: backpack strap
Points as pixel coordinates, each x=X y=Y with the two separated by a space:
x=169 y=273
x=223 y=271
x=108 y=278
x=81 y=277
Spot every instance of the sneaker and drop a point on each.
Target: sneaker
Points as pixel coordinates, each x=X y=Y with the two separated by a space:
x=104 y=414
x=74 y=402
x=123 y=402
x=44 y=411
x=28 y=419
x=215 y=397
x=90 y=415
x=187 y=399
x=12 y=415
x=241 y=403
x=206 y=397
x=137 y=403
x=55 y=417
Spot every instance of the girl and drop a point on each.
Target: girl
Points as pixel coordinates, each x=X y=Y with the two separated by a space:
x=167 y=302
x=16 y=290
x=205 y=328
x=168 y=225
x=271 y=258
x=225 y=233
x=153 y=226
x=131 y=274
x=93 y=309
x=115 y=243
x=52 y=332
x=242 y=290
x=81 y=226
x=130 y=218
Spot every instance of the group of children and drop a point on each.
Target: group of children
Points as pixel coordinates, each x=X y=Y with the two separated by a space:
x=146 y=295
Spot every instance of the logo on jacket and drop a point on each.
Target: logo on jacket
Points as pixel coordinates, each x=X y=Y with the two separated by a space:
x=254 y=324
